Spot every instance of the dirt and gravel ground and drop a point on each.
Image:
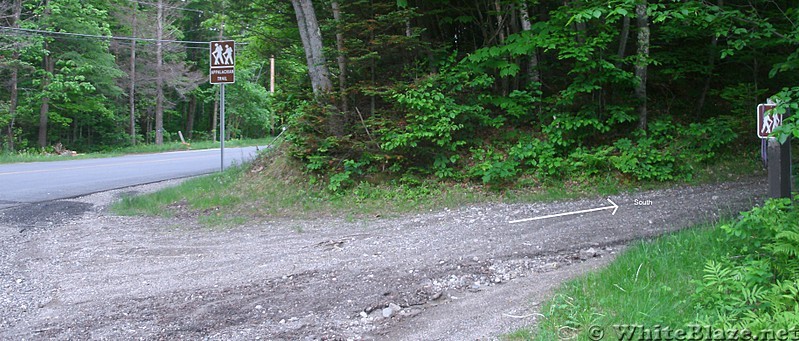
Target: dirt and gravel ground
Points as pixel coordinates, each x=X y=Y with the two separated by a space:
x=71 y=270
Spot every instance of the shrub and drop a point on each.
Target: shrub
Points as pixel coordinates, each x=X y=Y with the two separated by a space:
x=756 y=287
x=668 y=151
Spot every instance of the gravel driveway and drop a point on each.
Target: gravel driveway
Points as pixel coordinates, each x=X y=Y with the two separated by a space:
x=71 y=270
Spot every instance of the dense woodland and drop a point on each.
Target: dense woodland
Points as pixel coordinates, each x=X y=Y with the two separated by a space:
x=488 y=90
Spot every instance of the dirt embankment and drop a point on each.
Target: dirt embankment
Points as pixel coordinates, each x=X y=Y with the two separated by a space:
x=70 y=270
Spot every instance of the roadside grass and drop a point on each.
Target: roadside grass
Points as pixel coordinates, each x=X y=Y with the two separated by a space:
x=275 y=186
x=27 y=156
x=30 y=156
x=280 y=190
x=205 y=193
x=651 y=283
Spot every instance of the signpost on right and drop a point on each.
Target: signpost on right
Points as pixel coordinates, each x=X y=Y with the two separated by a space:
x=778 y=154
x=222 y=61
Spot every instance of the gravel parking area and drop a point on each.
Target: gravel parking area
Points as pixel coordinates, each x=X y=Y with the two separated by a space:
x=71 y=270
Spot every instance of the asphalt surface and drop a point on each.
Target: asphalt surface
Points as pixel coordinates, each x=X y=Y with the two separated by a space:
x=23 y=183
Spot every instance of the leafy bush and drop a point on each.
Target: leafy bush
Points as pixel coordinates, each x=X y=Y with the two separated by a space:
x=537 y=156
x=668 y=151
x=757 y=287
x=646 y=159
x=436 y=111
x=493 y=167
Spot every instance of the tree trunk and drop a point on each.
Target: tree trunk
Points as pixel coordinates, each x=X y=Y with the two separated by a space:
x=623 y=36
x=341 y=58
x=312 y=42
x=317 y=65
x=12 y=108
x=500 y=22
x=49 y=67
x=532 y=63
x=711 y=65
x=306 y=45
x=149 y=131
x=714 y=42
x=504 y=81
x=44 y=110
x=642 y=21
x=132 y=91
x=191 y=114
x=159 y=78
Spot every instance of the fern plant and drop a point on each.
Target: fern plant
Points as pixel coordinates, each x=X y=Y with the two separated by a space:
x=757 y=288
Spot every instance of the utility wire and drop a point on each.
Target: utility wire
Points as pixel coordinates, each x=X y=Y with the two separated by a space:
x=28 y=30
x=172 y=7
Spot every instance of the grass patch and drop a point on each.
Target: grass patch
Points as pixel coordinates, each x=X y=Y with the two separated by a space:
x=650 y=284
x=176 y=146
x=29 y=156
x=6 y=157
x=275 y=186
x=206 y=193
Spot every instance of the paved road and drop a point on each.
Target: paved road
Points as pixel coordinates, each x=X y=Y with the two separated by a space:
x=40 y=181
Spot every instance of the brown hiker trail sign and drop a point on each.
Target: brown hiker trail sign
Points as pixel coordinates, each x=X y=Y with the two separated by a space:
x=223 y=71
x=223 y=62
x=767 y=121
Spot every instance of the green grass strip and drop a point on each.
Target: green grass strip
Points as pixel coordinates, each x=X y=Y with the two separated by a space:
x=649 y=284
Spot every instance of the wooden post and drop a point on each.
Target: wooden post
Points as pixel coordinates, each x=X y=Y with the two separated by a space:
x=272 y=74
x=779 y=168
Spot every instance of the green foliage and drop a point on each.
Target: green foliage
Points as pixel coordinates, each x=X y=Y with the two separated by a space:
x=644 y=160
x=756 y=286
x=787 y=103
x=537 y=156
x=436 y=114
x=668 y=151
x=248 y=107
x=493 y=167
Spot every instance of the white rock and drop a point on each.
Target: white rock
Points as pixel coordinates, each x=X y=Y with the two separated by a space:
x=388 y=312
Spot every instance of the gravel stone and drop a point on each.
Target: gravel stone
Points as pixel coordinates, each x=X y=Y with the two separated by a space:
x=71 y=270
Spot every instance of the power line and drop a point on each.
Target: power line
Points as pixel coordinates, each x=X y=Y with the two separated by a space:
x=129 y=44
x=28 y=30
x=173 y=7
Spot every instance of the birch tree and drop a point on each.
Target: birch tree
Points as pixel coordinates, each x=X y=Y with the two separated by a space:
x=642 y=21
x=342 y=57
x=312 y=43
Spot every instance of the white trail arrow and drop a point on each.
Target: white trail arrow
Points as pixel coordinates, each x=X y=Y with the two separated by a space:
x=614 y=207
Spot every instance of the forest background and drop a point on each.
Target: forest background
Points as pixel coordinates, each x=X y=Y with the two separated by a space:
x=483 y=90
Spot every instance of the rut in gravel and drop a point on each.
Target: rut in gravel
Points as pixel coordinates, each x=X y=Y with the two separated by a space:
x=467 y=273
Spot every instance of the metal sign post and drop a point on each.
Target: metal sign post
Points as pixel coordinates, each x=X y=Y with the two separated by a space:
x=222 y=126
x=223 y=71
